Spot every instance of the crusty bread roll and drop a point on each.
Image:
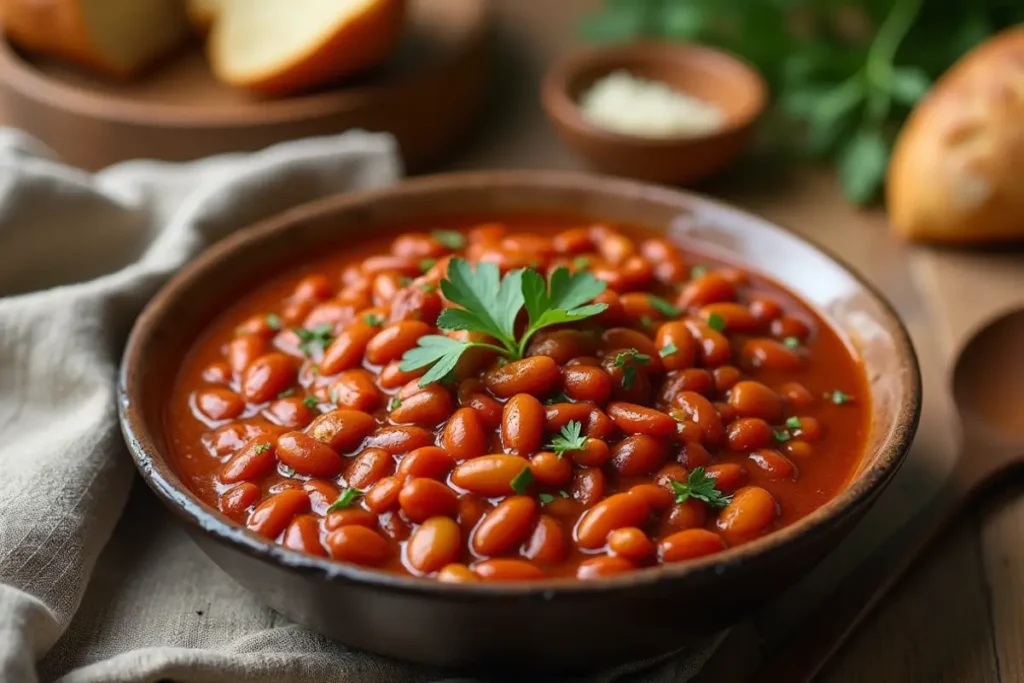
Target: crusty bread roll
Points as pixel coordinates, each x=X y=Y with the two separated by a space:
x=957 y=170
x=279 y=47
x=116 y=37
x=202 y=13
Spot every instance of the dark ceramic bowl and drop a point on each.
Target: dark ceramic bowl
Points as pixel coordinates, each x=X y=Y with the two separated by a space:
x=553 y=624
x=709 y=74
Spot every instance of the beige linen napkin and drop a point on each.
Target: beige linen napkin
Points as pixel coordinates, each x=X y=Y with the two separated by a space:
x=85 y=598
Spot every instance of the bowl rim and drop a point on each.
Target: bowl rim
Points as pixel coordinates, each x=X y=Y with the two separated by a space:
x=561 y=107
x=866 y=485
x=22 y=75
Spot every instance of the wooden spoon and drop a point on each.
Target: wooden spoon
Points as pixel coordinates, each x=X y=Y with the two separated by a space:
x=988 y=386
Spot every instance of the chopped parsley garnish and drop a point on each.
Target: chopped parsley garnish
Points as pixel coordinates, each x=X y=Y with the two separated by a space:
x=310 y=402
x=285 y=470
x=395 y=402
x=405 y=280
x=373 y=320
x=700 y=487
x=793 y=422
x=646 y=321
x=839 y=398
x=791 y=343
x=347 y=497
x=563 y=494
x=663 y=306
x=427 y=263
x=569 y=439
x=262 y=447
x=560 y=397
x=668 y=350
x=628 y=360
x=490 y=304
x=451 y=239
x=428 y=287
x=318 y=336
x=716 y=322
x=274 y=321
x=781 y=435
x=580 y=262
x=522 y=481
x=546 y=498
x=697 y=272
x=286 y=393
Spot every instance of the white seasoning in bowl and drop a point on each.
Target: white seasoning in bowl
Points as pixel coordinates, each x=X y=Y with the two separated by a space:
x=623 y=103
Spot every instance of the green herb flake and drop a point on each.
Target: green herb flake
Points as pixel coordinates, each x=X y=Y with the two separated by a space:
x=405 y=281
x=697 y=272
x=318 y=336
x=663 y=306
x=570 y=438
x=580 y=262
x=781 y=435
x=716 y=322
x=521 y=482
x=428 y=287
x=345 y=500
x=334 y=396
x=450 y=239
x=373 y=320
x=667 y=350
x=427 y=263
x=839 y=398
x=546 y=498
x=560 y=397
x=791 y=343
x=262 y=447
x=395 y=402
x=564 y=494
x=700 y=487
x=285 y=470
x=274 y=321
x=286 y=393
x=646 y=321
x=628 y=360
x=793 y=422
x=310 y=402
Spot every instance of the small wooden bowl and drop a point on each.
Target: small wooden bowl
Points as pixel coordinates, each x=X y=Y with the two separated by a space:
x=426 y=96
x=706 y=73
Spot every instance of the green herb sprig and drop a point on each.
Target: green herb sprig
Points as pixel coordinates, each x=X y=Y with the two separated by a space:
x=700 y=487
x=570 y=438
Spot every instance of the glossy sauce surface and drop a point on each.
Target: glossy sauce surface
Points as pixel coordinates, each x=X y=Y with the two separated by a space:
x=292 y=402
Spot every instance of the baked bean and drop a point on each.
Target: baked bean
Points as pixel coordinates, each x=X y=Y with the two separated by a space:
x=421 y=498
x=349 y=516
x=734 y=317
x=414 y=303
x=773 y=464
x=728 y=476
x=657 y=497
x=615 y=314
x=634 y=419
x=735 y=276
x=547 y=542
x=254 y=460
x=322 y=495
x=671 y=271
x=595 y=453
x=217 y=372
x=463 y=436
x=616 y=248
x=471 y=510
x=335 y=314
x=631 y=543
x=588 y=486
x=796 y=395
x=306 y=455
x=765 y=309
x=347 y=349
x=558 y=415
x=768 y=354
x=391 y=377
x=393 y=526
x=725 y=411
x=726 y=377
x=707 y=289
x=242 y=351
x=699 y=410
x=504 y=527
x=228 y=439
x=748 y=434
x=671 y=472
x=790 y=326
x=797 y=449
x=585 y=383
x=383 y=495
x=749 y=515
x=267 y=376
x=635 y=272
x=435 y=544
x=315 y=287
x=369 y=467
x=657 y=249
x=599 y=425
x=809 y=430
x=522 y=425
x=692 y=455
x=489 y=475
x=689 y=544
x=430 y=462
x=572 y=241
x=551 y=469
x=638 y=306
x=403 y=265
x=303 y=534
x=414 y=245
x=690 y=514
x=605 y=565
x=358 y=545
x=218 y=403
x=614 y=512
x=456 y=573
x=536 y=375
x=507 y=570
x=357 y=390
x=294 y=312
x=753 y=399
x=563 y=345
x=676 y=337
x=236 y=501
x=271 y=516
x=394 y=340
x=342 y=429
x=290 y=412
x=400 y=440
x=712 y=346
x=487 y=409
x=428 y=407
x=385 y=286
x=639 y=454
x=622 y=338
x=696 y=380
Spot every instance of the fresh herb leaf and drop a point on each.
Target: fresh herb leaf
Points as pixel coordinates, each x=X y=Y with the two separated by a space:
x=546 y=498
x=334 y=396
x=262 y=447
x=716 y=322
x=285 y=470
x=428 y=287
x=839 y=398
x=646 y=321
x=560 y=397
x=570 y=438
x=563 y=494
x=287 y=392
x=663 y=306
x=793 y=422
x=395 y=402
x=563 y=299
x=427 y=263
x=700 y=487
x=274 y=321
x=345 y=500
x=791 y=343
x=310 y=402
x=781 y=435
x=697 y=272
x=522 y=481
x=489 y=303
x=667 y=350
x=580 y=262
x=373 y=320
x=451 y=239
x=440 y=353
x=318 y=336
x=405 y=280
x=862 y=164
x=628 y=360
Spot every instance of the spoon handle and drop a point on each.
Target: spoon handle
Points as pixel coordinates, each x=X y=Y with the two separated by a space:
x=809 y=647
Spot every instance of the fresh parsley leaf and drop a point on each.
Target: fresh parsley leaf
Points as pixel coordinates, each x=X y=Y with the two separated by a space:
x=451 y=239
x=793 y=422
x=663 y=306
x=628 y=360
x=395 y=402
x=716 y=322
x=345 y=500
x=646 y=321
x=318 y=336
x=310 y=402
x=781 y=435
x=546 y=498
x=862 y=164
x=522 y=481
x=285 y=470
x=668 y=350
x=839 y=398
x=560 y=397
x=373 y=320
x=287 y=392
x=563 y=299
x=427 y=263
x=489 y=304
x=428 y=287
x=700 y=487
x=569 y=439
x=437 y=351
x=580 y=262
x=274 y=321
x=791 y=343
x=564 y=494
x=262 y=447
x=697 y=272
x=405 y=280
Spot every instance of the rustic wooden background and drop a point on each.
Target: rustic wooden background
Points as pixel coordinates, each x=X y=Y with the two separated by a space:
x=959 y=616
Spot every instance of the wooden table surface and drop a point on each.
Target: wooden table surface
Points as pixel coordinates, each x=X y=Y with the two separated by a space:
x=959 y=616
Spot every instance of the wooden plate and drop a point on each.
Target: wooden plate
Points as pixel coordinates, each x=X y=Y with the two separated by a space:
x=426 y=96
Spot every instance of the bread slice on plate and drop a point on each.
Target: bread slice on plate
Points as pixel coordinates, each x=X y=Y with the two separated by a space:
x=117 y=37
x=280 y=47
x=202 y=13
